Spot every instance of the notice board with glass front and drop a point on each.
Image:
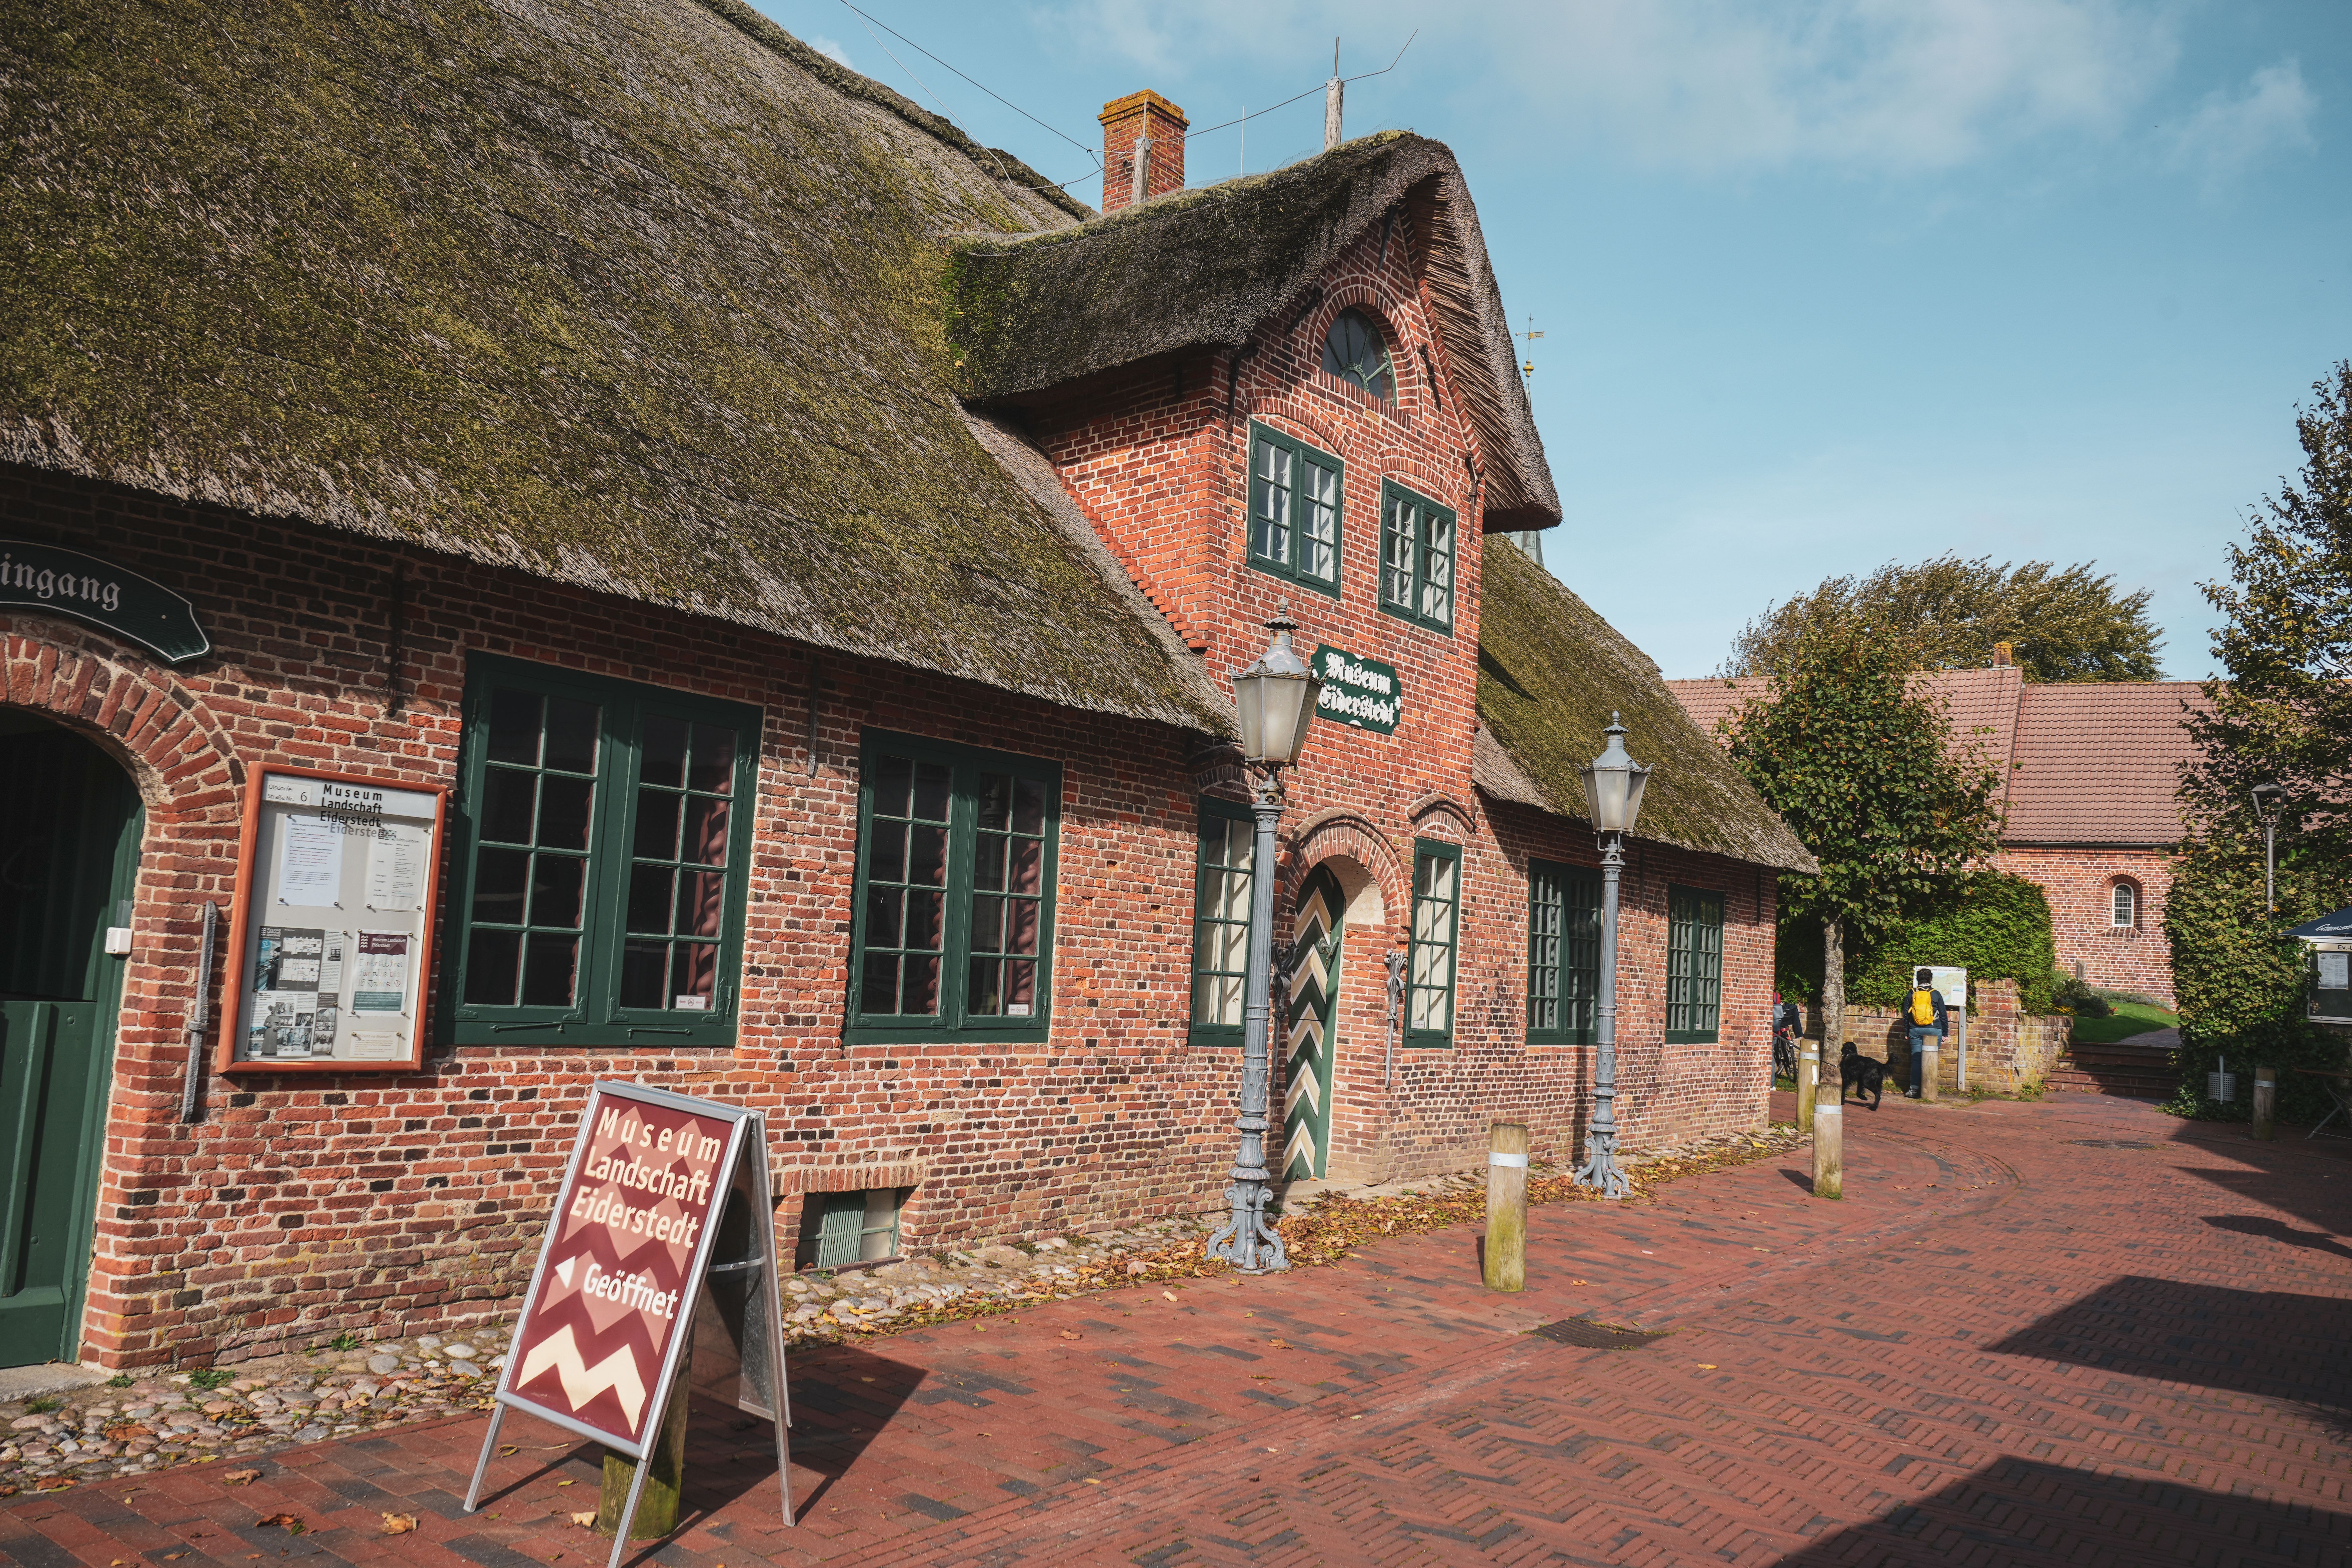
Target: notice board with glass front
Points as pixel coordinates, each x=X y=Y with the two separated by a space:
x=332 y=937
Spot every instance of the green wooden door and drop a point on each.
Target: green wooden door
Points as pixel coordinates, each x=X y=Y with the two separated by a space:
x=66 y=874
x=1313 y=1038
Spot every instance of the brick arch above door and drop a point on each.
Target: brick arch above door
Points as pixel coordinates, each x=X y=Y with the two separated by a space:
x=148 y=721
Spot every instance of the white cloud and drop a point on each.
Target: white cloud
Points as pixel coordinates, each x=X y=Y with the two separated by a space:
x=2231 y=130
x=1723 y=85
x=830 y=49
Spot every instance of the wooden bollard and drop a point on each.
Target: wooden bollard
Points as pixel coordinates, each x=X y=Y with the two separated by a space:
x=1829 y=1151
x=1506 y=1206
x=2266 y=1103
x=1809 y=1075
x=657 y=1505
x=1931 y=1064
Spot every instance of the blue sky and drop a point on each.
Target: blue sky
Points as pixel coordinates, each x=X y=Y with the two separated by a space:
x=1821 y=285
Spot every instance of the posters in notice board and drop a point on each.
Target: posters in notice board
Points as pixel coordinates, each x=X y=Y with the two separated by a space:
x=334 y=928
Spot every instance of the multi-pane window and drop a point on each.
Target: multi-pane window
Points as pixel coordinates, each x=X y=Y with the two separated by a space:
x=606 y=829
x=2124 y=905
x=1294 y=521
x=1563 y=953
x=1221 y=923
x=1694 y=965
x=955 y=891
x=1417 y=548
x=841 y=1228
x=1436 y=932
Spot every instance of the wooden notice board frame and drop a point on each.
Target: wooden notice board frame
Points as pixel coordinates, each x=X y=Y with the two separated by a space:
x=723 y=1297
x=251 y=901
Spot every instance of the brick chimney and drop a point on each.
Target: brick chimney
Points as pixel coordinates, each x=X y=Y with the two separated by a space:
x=1133 y=173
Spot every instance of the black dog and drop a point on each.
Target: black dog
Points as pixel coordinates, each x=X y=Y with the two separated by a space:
x=1856 y=1071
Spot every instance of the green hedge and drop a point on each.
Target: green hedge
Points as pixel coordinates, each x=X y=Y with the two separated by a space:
x=1994 y=925
x=2240 y=984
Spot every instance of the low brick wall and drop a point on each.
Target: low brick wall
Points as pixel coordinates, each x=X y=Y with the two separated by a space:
x=2010 y=1050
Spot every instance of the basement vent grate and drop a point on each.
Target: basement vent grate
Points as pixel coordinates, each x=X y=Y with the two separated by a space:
x=1586 y=1334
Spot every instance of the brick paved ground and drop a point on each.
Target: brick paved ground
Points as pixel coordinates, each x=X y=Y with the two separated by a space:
x=2075 y=1332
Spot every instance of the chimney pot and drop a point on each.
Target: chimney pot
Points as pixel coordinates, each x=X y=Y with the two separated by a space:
x=1143 y=149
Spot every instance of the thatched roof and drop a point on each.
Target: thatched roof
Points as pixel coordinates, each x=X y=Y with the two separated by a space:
x=639 y=295
x=1203 y=269
x=1551 y=672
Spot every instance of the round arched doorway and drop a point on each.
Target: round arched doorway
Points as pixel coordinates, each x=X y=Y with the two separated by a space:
x=67 y=873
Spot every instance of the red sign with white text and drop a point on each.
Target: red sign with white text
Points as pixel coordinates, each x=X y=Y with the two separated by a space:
x=614 y=1287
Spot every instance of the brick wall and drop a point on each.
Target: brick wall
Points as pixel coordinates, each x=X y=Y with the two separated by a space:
x=301 y=1208
x=2080 y=884
x=2010 y=1050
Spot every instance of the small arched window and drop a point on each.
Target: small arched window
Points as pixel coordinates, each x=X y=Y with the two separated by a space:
x=1357 y=352
x=2124 y=910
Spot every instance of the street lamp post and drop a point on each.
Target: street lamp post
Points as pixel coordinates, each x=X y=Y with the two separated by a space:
x=2267 y=797
x=1613 y=790
x=1276 y=699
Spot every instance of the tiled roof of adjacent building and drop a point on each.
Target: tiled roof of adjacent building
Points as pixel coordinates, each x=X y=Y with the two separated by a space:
x=2098 y=763
x=2084 y=762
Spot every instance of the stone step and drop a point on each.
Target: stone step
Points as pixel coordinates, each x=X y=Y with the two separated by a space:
x=2129 y=1083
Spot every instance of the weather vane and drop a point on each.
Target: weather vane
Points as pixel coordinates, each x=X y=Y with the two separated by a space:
x=1529 y=369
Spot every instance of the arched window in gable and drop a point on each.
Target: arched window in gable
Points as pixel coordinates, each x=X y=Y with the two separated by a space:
x=1356 y=350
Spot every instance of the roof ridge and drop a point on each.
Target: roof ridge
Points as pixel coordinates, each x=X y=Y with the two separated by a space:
x=765 y=31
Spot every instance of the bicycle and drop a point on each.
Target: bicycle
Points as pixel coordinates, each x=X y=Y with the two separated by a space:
x=1784 y=1052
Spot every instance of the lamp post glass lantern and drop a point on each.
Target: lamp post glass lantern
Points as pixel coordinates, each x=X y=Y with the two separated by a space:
x=1613 y=782
x=2268 y=797
x=1276 y=700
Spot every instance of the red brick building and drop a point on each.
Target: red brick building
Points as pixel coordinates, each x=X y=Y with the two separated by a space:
x=809 y=557
x=2088 y=812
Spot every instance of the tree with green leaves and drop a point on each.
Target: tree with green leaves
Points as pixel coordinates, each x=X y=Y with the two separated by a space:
x=2281 y=714
x=1947 y=613
x=1859 y=766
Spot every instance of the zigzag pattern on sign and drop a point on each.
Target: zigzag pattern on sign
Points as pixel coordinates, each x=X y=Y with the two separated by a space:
x=583 y=1383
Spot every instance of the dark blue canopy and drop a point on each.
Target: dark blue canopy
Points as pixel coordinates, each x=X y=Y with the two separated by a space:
x=2337 y=924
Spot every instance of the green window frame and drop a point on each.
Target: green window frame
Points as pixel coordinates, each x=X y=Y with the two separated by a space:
x=606 y=835
x=1563 y=953
x=841 y=1229
x=1432 y=956
x=1223 y=871
x=1694 y=965
x=954 y=933
x=1419 y=543
x=1296 y=506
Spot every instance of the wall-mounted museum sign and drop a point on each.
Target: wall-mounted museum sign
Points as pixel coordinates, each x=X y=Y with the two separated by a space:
x=65 y=583
x=1363 y=692
x=331 y=941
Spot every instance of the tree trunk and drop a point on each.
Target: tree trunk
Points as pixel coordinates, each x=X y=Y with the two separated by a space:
x=1832 y=990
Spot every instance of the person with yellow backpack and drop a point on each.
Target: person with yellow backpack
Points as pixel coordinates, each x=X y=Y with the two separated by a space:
x=1926 y=1014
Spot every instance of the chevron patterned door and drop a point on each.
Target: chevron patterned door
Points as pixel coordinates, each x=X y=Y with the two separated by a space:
x=1313 y=1036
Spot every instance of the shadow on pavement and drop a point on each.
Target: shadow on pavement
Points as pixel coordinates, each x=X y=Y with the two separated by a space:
x=842 y=1397
x=2264 y=1343
x=2019 y=1511
x=2278 y=1230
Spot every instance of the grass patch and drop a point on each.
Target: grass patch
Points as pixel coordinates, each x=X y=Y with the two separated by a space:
x=209 y=1377
x=2129 y=1018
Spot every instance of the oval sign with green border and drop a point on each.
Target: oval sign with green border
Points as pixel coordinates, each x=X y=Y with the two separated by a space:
x=65 y=582
x=1363 y=693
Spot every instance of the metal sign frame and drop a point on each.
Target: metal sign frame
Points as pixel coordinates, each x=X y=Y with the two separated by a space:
x=755 y=1383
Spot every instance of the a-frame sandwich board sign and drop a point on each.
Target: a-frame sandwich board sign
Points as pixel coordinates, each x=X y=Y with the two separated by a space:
x=663 y=1227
